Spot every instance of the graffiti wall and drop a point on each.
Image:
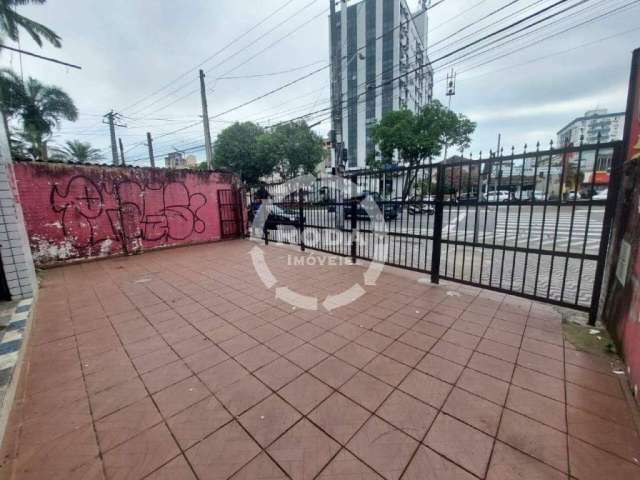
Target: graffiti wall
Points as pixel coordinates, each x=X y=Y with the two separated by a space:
x=621 y=312
x=82 y=211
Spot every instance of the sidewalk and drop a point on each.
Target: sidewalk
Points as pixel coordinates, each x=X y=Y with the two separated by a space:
x=181 y=364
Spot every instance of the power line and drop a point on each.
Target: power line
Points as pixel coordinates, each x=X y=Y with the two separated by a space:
x=41 y=57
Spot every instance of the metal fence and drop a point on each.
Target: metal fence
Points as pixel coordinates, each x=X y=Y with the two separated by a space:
x=534 y=224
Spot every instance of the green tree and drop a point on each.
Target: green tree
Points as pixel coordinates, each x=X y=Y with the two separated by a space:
x=11 y=22
x=77 y=151
x=38 y=107
x=416 y=137
x=237 y=149
x=293 y=148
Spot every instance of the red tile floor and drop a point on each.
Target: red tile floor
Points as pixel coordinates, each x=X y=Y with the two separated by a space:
x=180 y=364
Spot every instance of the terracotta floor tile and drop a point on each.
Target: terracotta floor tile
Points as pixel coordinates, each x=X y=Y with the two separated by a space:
x=366 y=390
x=141 y=455
x=483 y=386
x=591 y=463
x=191 y=345
x=243 y=394
x=607 y=384
x=509 y=464
x=476 y=411
x=306 y=356
x=206 y=358
x=541 y=364
x=181 y=395
x=305 y=393
x=103 y=379
x=374 y=341
x=222 y=454
x=126 y=423
x=176 y=469
x=461 y=339
x=429 y=328
x=418 y=340
x=543 y=348
x=115 y=398
x=256 y=357
x=355 y=355
x=339 y=417
x=498 y=350
x=167 y=375
x=614 y=438
x=609 y=408
x=303 y=451
x=491 y=366
x=440 y=368
x=265 y=332
x=333 y=372
x=198 y=421
x=238 y=344
x=438 y=467
x=157 y=358
x=345 y=466
x=307 y=331
x=284 y=343
x=260 y=468
x=145 y=346
x=222 y=375
x=426 y=388
x=454 y=353
x=411 y=416
x=269 y=419
x=277 y=374
x=383 y=447
x=404 y=353
x=538 y=382
x=464 y=445
x=387 y=370
x=544 y=443
x=538 y=407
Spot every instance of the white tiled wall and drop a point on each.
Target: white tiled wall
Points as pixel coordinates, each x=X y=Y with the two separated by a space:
x=14 y=247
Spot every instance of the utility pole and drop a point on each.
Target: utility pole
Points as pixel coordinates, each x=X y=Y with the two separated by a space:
x=451 y=91
x=150 y=145
x=112 y=118
x=336 y=87
x=121 y=152
x=205 y=122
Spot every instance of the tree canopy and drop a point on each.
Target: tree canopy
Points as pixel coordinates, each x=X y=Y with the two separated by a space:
x=38 y=107
x=77 y=151
x=419 y=136
x=11 y=22
x=253 y=152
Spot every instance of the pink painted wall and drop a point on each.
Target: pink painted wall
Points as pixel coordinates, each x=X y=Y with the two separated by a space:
x=82 y=211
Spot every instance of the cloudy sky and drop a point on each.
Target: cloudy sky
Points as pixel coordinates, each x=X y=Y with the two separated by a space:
x=141 y=58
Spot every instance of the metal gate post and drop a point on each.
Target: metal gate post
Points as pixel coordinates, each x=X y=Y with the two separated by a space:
x=615 y=183
x=437 y=225
x=354 y=218
x=301 y=219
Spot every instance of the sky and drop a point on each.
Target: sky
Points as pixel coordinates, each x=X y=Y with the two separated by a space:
x=141 y=59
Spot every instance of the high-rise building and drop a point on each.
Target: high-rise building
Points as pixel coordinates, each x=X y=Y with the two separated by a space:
x=382 y=47
x=609 y=126
x=179 y=161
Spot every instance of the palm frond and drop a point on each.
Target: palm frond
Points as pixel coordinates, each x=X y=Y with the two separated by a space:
x=37 y=30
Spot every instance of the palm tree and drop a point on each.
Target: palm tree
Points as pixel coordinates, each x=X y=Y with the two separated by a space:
x=77 y=151
x=39 y=108
x=11 y=22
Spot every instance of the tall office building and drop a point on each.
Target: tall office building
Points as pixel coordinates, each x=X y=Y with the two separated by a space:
x=383 y=65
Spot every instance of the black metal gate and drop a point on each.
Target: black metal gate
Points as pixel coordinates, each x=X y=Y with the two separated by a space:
x=534 y=224
x=230 y=211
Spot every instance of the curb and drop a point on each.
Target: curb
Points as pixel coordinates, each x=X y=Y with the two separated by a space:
x=11 y=353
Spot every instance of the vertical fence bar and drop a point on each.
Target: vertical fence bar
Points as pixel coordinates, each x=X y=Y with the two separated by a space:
x=301 y=218
x=437 y=225
x=609 y=213
x=354 y=217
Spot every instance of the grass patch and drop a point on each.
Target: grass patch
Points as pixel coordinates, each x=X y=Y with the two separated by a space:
x=581 y=338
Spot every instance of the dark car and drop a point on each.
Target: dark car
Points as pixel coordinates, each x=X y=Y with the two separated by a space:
x=279 y=216
x=468 y=198
x=388 y=208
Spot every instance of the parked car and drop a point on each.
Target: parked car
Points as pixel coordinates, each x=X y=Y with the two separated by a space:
x=279 y=216
x=419 y=205
x=498 y=196
x=469 y=198
x=602 y=195
x=534 y=196
x=572 y=196
x=388 y=208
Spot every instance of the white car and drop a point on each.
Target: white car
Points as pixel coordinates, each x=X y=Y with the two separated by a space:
x=601 y=195
x=498 y=196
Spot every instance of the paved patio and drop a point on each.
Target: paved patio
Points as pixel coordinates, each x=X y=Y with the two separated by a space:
x=180 y=364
